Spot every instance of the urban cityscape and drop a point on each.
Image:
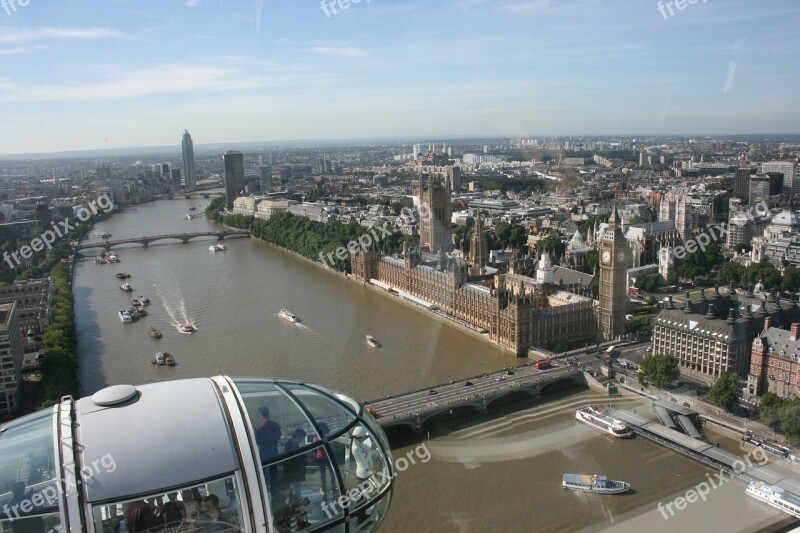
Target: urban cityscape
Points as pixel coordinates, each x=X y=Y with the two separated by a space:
x=362 y=324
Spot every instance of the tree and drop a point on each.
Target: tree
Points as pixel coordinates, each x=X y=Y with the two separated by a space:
x=661 y=369
x=647 y=283
x=791 y=279
x=765 y=273
x=790 y=421
x=519 y=236
x=727 y=391
x=732 y=273
x=592 y=260
x=553 y=245
x=769 y=409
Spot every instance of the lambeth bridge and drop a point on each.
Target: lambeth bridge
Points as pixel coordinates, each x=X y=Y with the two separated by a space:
x=472 y=395
x=147 y=239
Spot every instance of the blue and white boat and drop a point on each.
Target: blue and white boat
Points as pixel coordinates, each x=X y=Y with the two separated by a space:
x=593 y=483
x=775 y=496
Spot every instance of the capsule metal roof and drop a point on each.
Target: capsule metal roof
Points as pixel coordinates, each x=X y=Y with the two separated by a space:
x=169 y=434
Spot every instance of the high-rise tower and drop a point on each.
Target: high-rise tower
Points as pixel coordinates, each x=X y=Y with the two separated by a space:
x=478 y=251
x=234 y=176
x=188 y=161
x=614 y=256
x=435 y=213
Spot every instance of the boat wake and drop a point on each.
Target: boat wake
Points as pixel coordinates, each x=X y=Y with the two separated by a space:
x=179 y=316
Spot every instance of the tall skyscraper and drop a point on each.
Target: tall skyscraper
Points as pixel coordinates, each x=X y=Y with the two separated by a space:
x=741 y=184
x=188 y=161
x=266 y=177
x=234 y=176
x=614 y=255
x=435 y=213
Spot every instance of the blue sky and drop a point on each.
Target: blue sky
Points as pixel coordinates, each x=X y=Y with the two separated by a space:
x=91 y=74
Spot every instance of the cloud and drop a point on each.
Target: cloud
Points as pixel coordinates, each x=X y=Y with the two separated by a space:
x=348 y=51
x=731 y=75
x=13 y=34
x=170 y=79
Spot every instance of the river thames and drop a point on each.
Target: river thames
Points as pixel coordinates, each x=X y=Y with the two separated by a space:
x=499 y=475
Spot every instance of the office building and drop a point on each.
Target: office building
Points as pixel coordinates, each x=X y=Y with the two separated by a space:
x=10 y=359
x=787 y=169
x=741 y=184
x=234 y=176
x=188 y=161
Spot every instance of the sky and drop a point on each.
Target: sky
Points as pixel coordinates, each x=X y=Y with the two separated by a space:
x=97 y=74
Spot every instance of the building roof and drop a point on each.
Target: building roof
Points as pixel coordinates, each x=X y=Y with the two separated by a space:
x=6 y=312
x=779 y=343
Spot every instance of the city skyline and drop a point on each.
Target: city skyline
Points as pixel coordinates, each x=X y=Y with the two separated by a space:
x=125 y=76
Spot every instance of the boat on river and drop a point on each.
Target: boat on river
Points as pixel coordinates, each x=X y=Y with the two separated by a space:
x=288 y=315
x=593 y=483
x=373 y=342
x=597 y=417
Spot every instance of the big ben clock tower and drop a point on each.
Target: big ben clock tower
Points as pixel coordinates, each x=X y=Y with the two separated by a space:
x=614 y=260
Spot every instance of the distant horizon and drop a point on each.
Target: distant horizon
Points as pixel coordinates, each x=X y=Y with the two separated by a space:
x=322 y=143
x=89 y=75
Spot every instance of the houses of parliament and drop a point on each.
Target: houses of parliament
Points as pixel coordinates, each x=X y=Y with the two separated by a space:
x=516 y=311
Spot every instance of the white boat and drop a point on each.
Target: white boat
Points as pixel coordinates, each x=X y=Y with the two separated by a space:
x=158 y=359
x=288 y=316
x=187 y=328
x=597 y=417
x=112 y=258
x=217 y=248
x=373 y=342
x=775 y=496
x=593 y=483
x=125 y=316
x=105 y=235
x=142 y=300
x=188 y=216
x=126 y=287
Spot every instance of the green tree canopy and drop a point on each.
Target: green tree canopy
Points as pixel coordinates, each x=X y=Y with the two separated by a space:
x=553 y=245
x=732 y=273
x=660 y=369
x=727 y=390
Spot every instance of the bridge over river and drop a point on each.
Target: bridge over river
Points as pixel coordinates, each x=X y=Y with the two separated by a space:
x=147 y=239
x=413 y=409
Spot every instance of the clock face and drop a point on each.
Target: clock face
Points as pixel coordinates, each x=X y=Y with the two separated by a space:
x=606 y=257
x=620 y=256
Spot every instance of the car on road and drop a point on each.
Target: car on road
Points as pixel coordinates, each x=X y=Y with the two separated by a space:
x=432 y=392
x=468 y=384
x=509 y=373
